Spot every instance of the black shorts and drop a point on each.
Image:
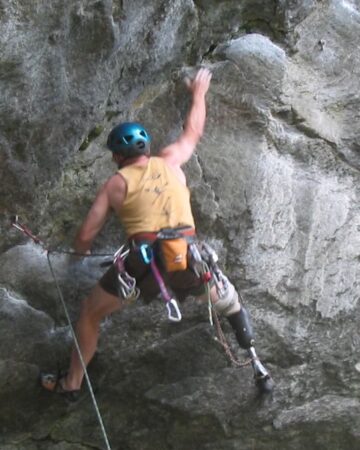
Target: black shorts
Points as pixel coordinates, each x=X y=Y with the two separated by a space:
x=182 y=283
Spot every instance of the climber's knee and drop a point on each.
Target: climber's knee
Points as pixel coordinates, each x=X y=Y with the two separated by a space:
x=98 y=305
x=228 y=301
x=240 y=322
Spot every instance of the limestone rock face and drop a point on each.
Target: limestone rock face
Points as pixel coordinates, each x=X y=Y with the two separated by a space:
x=275 y=191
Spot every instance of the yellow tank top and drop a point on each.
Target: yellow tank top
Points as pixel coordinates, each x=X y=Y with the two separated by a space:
x=155 y=198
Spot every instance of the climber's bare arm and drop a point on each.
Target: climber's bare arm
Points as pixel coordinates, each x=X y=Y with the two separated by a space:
x=179 y=152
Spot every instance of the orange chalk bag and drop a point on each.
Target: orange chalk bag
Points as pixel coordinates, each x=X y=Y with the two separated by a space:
x=173 y=247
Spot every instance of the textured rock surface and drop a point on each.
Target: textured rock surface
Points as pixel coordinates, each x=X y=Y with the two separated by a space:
x=275 y=185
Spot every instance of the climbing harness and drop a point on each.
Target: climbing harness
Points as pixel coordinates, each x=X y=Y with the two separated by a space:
x=173 y=310
x=25 y=230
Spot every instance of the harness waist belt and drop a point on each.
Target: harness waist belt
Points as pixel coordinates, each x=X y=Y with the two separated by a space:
x=152 y=236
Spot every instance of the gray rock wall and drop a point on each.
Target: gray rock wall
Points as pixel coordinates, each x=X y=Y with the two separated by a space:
x=275 y=184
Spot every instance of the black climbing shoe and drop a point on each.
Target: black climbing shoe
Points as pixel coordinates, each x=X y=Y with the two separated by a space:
x=52 y=383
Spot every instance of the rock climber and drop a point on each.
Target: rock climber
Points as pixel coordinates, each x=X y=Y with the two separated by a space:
x=149 y=194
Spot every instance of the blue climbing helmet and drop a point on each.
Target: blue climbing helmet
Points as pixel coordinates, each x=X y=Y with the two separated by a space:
x=129 y=139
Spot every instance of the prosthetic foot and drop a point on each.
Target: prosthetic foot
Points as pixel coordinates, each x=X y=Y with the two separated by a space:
x=240 y=323
x=262 y=377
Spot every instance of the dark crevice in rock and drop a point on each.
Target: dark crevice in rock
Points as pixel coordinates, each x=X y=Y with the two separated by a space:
x=344 y=158
x=209 y=52
x=94 y=133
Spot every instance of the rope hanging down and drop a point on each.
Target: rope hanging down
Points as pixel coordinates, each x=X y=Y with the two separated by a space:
x=38 y=241
x=223 y=341
x=214 y=317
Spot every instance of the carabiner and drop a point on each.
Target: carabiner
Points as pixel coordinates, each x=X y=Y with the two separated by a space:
x=174 y=313
x=146 y=253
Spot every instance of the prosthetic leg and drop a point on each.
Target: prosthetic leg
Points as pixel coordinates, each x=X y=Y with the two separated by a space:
x=228 y=305
x=240 y=323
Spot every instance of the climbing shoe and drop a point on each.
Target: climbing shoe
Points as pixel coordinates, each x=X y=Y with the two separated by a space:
x=53 y=383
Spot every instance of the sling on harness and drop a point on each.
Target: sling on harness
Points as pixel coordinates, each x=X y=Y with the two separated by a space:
x=173 y=310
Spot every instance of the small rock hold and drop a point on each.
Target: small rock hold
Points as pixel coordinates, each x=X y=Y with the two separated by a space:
x=321 y=44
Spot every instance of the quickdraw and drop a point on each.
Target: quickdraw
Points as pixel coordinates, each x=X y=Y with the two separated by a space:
x=127 y=283
x=25 y=230
x=172 y=307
